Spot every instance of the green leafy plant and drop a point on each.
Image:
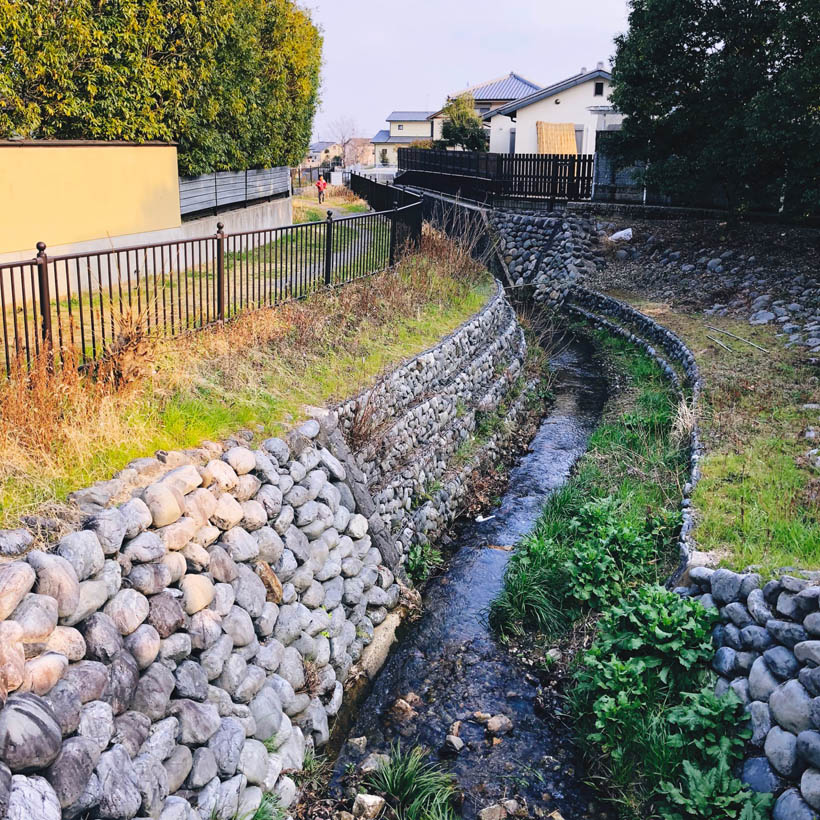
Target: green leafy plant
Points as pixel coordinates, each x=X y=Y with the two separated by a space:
x=422 y=560
x=414 y=787
x=711 y=793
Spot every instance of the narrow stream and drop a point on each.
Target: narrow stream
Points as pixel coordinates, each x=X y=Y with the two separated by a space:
x=450 y=659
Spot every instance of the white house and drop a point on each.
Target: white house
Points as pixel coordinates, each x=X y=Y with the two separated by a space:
x=560 y=119
x=404 y=128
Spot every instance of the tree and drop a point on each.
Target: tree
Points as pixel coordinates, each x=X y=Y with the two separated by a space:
x=722 y=96
x=343 y=132
x=234 y=82
x=462 y=127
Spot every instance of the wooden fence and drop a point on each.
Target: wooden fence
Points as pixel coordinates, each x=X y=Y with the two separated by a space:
x=489 y=178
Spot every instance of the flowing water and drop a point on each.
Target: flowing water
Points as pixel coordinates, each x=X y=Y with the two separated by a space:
x=451 y=660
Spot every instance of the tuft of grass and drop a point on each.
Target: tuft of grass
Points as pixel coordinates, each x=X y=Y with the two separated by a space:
x=62 y=431
x=314 y=772
x=415 y=788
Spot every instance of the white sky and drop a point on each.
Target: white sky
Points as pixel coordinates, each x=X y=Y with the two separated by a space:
x=385 y=55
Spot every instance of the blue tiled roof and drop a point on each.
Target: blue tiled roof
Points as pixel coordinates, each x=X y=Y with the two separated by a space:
x=510 y=87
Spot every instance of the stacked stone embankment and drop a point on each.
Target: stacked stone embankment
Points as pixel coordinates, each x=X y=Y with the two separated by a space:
x=547 y=253
x=768 y=653
x=178 y=655
x=425 y=413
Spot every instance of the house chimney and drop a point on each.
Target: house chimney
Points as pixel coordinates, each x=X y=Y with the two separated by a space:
x=600 y=66
x=583 y=69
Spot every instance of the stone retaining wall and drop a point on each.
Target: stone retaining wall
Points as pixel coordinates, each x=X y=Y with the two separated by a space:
x=177 y=655
x=422 y=414
x=546 y=253
x=768 y=653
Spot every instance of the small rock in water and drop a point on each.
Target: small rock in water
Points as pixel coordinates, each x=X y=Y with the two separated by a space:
x=358 y=743
x=402 y=710
x=373 y=762
x=499 y=725
x=452 y=745
x=494 y=812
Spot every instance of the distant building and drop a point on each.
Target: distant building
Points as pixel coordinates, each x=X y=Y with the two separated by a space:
x=562 y=118
x=404 y=129
x=489 y=96
x=321 y=153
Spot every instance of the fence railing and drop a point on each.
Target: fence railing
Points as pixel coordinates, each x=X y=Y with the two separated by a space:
x=210 y=192
x=73 y=307
x=488 y=178
x=381 y=196
x=301 y=177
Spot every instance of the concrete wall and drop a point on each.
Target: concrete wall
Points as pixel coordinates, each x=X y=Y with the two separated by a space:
x=572 y=108
x=64 y=193
x=274 y=214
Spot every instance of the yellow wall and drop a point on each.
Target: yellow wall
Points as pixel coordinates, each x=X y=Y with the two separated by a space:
x=74 y=192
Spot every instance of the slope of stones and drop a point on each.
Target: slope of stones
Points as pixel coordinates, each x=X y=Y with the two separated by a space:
x=178 y=655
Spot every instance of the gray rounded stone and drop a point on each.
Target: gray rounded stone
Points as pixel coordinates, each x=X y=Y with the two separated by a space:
x=70 y=772
x=30 y=736
x=32 y=797
x=103 y=639
x=790 y=705
x=791 y=806
x=781 y=750
x=226 y=744
x=759 y=776
x=781 y=662
x=120 y=793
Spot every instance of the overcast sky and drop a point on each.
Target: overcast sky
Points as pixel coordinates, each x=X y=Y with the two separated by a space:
x=384 y=55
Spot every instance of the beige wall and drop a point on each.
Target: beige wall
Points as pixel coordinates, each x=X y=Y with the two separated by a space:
x=63 y=193
x=410 y=129
x=573 y=107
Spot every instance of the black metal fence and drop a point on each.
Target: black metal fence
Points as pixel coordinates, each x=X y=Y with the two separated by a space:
x=73 y=307
x=301 y=177
x=210 y=192
x=491 y=178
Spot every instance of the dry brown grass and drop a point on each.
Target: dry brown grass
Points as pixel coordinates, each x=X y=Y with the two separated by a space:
x=66 y=429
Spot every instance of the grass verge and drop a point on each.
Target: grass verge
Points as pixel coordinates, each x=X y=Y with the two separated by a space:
x=758 y=503
x=65 y=431
x=657 y=741
x=306 y=206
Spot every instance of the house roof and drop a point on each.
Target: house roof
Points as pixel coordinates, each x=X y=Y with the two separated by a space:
x=384 y=137
x=408 y=116
x=511 y=86
x=320 y=146
x=549 y=91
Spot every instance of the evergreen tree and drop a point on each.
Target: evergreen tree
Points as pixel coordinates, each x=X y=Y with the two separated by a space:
x=723 y=96
x=234 y=82
x=462 y=127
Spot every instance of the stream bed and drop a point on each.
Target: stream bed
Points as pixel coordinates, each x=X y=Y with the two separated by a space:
x=449 y=658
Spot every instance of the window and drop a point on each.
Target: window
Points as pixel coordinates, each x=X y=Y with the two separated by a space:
x=599 y=89
x=400 y=127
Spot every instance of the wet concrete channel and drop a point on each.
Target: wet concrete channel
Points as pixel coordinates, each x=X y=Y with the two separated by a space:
x=450 y=659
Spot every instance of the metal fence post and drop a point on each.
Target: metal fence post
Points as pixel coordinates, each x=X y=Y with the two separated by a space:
x=220 y=271
x=45 y=300
x=393 y=215
x=329 y=249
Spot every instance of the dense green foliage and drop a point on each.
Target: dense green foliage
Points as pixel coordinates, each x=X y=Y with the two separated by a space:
x=603 y=544
x=234 y=82
x=414 y=787
x=721 y=97
x=422 y=560
x=662 y=752
x=462 y=127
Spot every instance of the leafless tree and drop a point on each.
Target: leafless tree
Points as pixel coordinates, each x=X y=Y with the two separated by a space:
x=342 y=132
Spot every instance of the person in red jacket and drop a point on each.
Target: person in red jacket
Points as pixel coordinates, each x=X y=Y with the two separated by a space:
x=321 y=185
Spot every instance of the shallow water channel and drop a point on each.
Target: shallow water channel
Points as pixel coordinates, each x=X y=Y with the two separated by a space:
x=450 y=659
